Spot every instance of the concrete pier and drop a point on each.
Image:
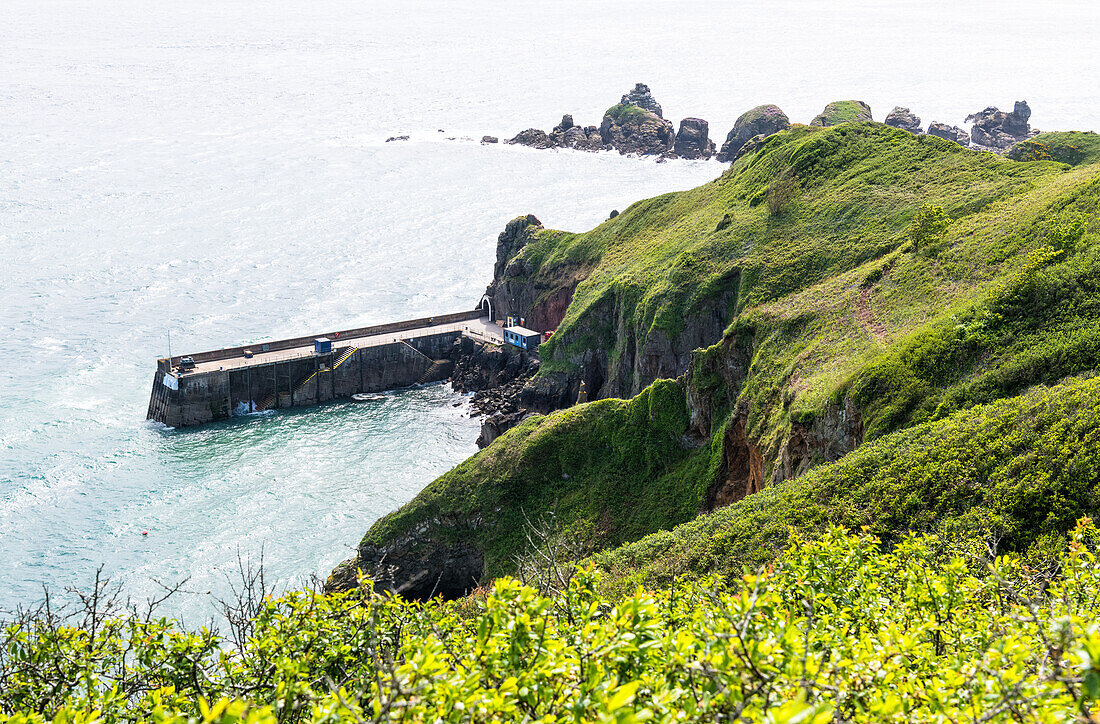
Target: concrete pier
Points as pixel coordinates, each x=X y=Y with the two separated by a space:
x=287 y=373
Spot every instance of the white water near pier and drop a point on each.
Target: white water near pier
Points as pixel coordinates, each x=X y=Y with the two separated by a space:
x=218 y=169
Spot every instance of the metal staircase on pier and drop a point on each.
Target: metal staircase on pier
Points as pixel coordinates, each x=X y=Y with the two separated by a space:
x=344 y=357
x=431 y=371
x=269 y=401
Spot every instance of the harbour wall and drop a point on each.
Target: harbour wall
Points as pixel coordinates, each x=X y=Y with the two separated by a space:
x=196 y=398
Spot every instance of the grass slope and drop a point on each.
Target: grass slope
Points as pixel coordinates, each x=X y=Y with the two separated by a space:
x=828 y=284
x=1020 y=470
x=1073 y=147
x=611 y=471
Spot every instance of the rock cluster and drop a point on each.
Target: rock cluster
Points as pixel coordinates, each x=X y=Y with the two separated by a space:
x=949 y=133
x=496 y=375
x=904 y=119
x=533 y=137
x=760 y=121
x=995 y=129
x=634 y=125
x=632 y=129
x=565 y=135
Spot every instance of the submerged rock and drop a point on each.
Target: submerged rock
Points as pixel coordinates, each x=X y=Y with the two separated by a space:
x=839 y=112
x=693 y=141
x=949 y=133
x=904 y=119
x=760 y=121
x=643 y=98
x=533 y=137
x=391 y=139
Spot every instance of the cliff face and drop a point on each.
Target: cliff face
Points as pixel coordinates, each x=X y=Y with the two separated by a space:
x=518 y=291
x=721 y=418
x=613 y=355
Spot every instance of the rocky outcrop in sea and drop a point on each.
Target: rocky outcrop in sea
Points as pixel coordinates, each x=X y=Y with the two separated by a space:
x=636 y=125
x=642 y=97
x=997 y=130
x=565 y=135
x=693 y=139
x=904 y=119
x=632 y=129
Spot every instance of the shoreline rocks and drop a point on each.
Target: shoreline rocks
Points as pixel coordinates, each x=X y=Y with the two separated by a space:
x=496 y=374
x=904 y=119
x=632 y=129
x=949 y=133
x=693 y=139
x=637 y=126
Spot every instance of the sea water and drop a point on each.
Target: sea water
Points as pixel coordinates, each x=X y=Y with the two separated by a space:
x=219 y=172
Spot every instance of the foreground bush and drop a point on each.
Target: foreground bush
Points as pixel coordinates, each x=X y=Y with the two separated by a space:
x=837 y=630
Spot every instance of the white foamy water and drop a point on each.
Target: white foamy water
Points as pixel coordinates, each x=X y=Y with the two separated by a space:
x=218 y=169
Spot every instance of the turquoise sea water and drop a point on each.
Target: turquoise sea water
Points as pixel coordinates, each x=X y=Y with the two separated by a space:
x=218 y=170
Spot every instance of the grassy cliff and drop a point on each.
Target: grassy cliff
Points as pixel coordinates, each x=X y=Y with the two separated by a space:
x=837 y=331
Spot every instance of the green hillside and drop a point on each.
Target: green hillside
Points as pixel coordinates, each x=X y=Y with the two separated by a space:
x=864 y=497
x=841 y=331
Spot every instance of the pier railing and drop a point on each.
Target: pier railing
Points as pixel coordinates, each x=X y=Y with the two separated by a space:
x=337 y=337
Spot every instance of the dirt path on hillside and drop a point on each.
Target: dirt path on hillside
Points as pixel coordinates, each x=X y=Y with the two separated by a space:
x=866 y=318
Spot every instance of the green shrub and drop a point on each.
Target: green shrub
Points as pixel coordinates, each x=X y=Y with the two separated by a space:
x=928 y=226
x=838 y=629
x=1073 y=147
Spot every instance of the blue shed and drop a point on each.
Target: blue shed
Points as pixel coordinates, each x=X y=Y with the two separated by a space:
x=322 y=345
x=523 y=338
